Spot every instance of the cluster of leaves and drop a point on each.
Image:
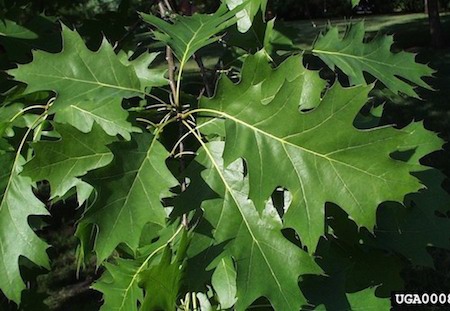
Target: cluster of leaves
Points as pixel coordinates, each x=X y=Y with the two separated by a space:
x=292 y=190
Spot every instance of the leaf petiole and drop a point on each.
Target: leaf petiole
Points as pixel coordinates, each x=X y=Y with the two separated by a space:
x=24 y=110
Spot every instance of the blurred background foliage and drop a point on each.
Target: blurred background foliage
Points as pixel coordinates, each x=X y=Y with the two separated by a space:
x=283 y=9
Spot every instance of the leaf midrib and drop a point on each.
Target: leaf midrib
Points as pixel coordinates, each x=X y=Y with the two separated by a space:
x=284 y=142
x=255 y=241
x=362 y=59
x=98 y=83
x=141 y=267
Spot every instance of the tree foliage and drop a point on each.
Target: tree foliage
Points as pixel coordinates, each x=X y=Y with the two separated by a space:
x=268 y=189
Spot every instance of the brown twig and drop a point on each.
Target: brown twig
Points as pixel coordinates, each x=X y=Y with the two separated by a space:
x=172 y=69
x=164 y=9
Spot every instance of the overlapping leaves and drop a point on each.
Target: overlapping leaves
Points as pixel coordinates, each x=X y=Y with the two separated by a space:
x=321 y=157
x=123 y=282
x=254 y=240
x=412 y=229
x=61 y=162
x=248 y=12
x=275 y=121
x=129 y=193
x=188 y=34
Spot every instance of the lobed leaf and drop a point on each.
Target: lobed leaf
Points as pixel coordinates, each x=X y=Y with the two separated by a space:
x=61 y=162
x=89 y=85
x=107 y=113
x=354 y=56
x=149 y=77
x=77 y=73
x=320 y=156
x=120 y=281
x=363 y=300
x=17 y=203
x=129 y=193
x=188 y=34
x=261 y=252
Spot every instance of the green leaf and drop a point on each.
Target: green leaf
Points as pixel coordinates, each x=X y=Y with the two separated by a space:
x=18 y=41
x=271 y=36
x=248 y=13
x=119 y=285
x=162 y=281
x=188 y=34
x=78 y=74
x=363 y=300
x=7 y=114
x=108 y=113
x=355 y=2
x=224 y=283
x=120 y=282
x=61 y=162
x=354 y=57
x=367 y=300
x=17 y=203
x=254 y=241
x=319 y=156
x=11 y=29
x=148 y=77
x=129 y=193
x=410 y=230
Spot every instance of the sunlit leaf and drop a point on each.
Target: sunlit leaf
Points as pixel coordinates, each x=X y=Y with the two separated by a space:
x=319 y=156
x=354 y=56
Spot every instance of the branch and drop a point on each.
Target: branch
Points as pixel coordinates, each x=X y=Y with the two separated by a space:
x=175 y=87
x=202 y=68
x=163 y=10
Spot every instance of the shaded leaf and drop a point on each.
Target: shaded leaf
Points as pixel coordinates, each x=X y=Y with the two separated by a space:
x=271 y=36
x=162 y=281
x=7 y=114
x=120 y=282
x=129 y=193
x=410 y=230
x=119 y=285
x=9 y=28
x=17 y=40
x=363 y=300
x=61 y=162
